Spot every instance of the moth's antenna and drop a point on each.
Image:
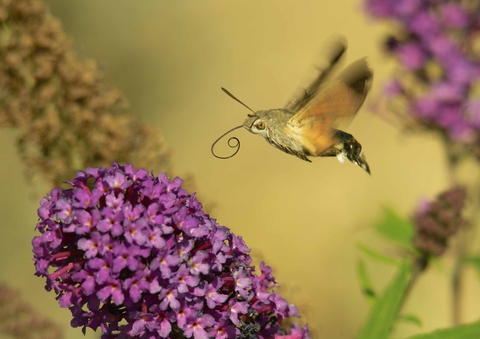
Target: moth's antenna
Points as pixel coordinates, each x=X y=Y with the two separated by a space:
x=233 y=142
x=237 y=100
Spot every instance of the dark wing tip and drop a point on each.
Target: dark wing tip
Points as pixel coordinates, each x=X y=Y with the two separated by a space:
x=358 y=76
x=338 y=46
x=330 y=55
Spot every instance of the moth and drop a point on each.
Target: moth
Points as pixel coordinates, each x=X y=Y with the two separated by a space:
x=308 y=125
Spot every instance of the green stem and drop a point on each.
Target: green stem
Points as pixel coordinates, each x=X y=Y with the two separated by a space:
x=457 y=279
x=457 y=274
x=464 y=241
x=420 y=263
x=453 y=158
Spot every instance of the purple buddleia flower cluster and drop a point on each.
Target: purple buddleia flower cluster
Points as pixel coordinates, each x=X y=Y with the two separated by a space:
x=438 y=220
x=437 y=44
x=136 y=255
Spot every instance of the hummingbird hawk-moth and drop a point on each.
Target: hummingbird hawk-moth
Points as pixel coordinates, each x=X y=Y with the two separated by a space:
x=307 y=125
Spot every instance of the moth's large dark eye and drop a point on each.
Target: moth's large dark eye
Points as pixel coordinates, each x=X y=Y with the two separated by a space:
x=259 y=124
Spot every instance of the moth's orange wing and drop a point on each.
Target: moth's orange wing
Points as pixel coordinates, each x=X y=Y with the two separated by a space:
x=315 y=134
x=334 y=105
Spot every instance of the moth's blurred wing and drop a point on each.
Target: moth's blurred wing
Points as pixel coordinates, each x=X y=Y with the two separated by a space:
x=331 y=54
x=336 y=104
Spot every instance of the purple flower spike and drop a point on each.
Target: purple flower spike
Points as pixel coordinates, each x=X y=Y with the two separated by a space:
x=438 y=220
x=136 y=256
x=439 y=68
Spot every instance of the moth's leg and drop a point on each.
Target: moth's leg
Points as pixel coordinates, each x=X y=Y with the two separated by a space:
x=332 y=151
x=337 y=148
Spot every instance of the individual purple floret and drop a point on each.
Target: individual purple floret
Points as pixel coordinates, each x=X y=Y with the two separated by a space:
x=436 y=43
x=135 y=255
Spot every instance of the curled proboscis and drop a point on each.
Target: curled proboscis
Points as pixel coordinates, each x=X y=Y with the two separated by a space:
x=232 y=142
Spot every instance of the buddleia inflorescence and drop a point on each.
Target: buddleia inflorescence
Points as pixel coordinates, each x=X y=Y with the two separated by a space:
x=135 y=255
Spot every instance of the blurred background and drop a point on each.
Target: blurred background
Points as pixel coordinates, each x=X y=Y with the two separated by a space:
x=170 y=58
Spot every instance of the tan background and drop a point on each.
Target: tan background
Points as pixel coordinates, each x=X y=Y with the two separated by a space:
x=170 y=58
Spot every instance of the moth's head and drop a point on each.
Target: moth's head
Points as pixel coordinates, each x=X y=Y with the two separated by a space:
x=256 y=123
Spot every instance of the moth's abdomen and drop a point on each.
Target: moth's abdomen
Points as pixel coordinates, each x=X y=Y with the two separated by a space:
x=347 y=146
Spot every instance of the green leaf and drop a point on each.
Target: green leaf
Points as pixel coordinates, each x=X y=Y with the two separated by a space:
x=396 y=228
x=474 y=261
x=374 y=254
x=386 y=308
x=411 y=319
x=365 y=283
x=469 y=331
